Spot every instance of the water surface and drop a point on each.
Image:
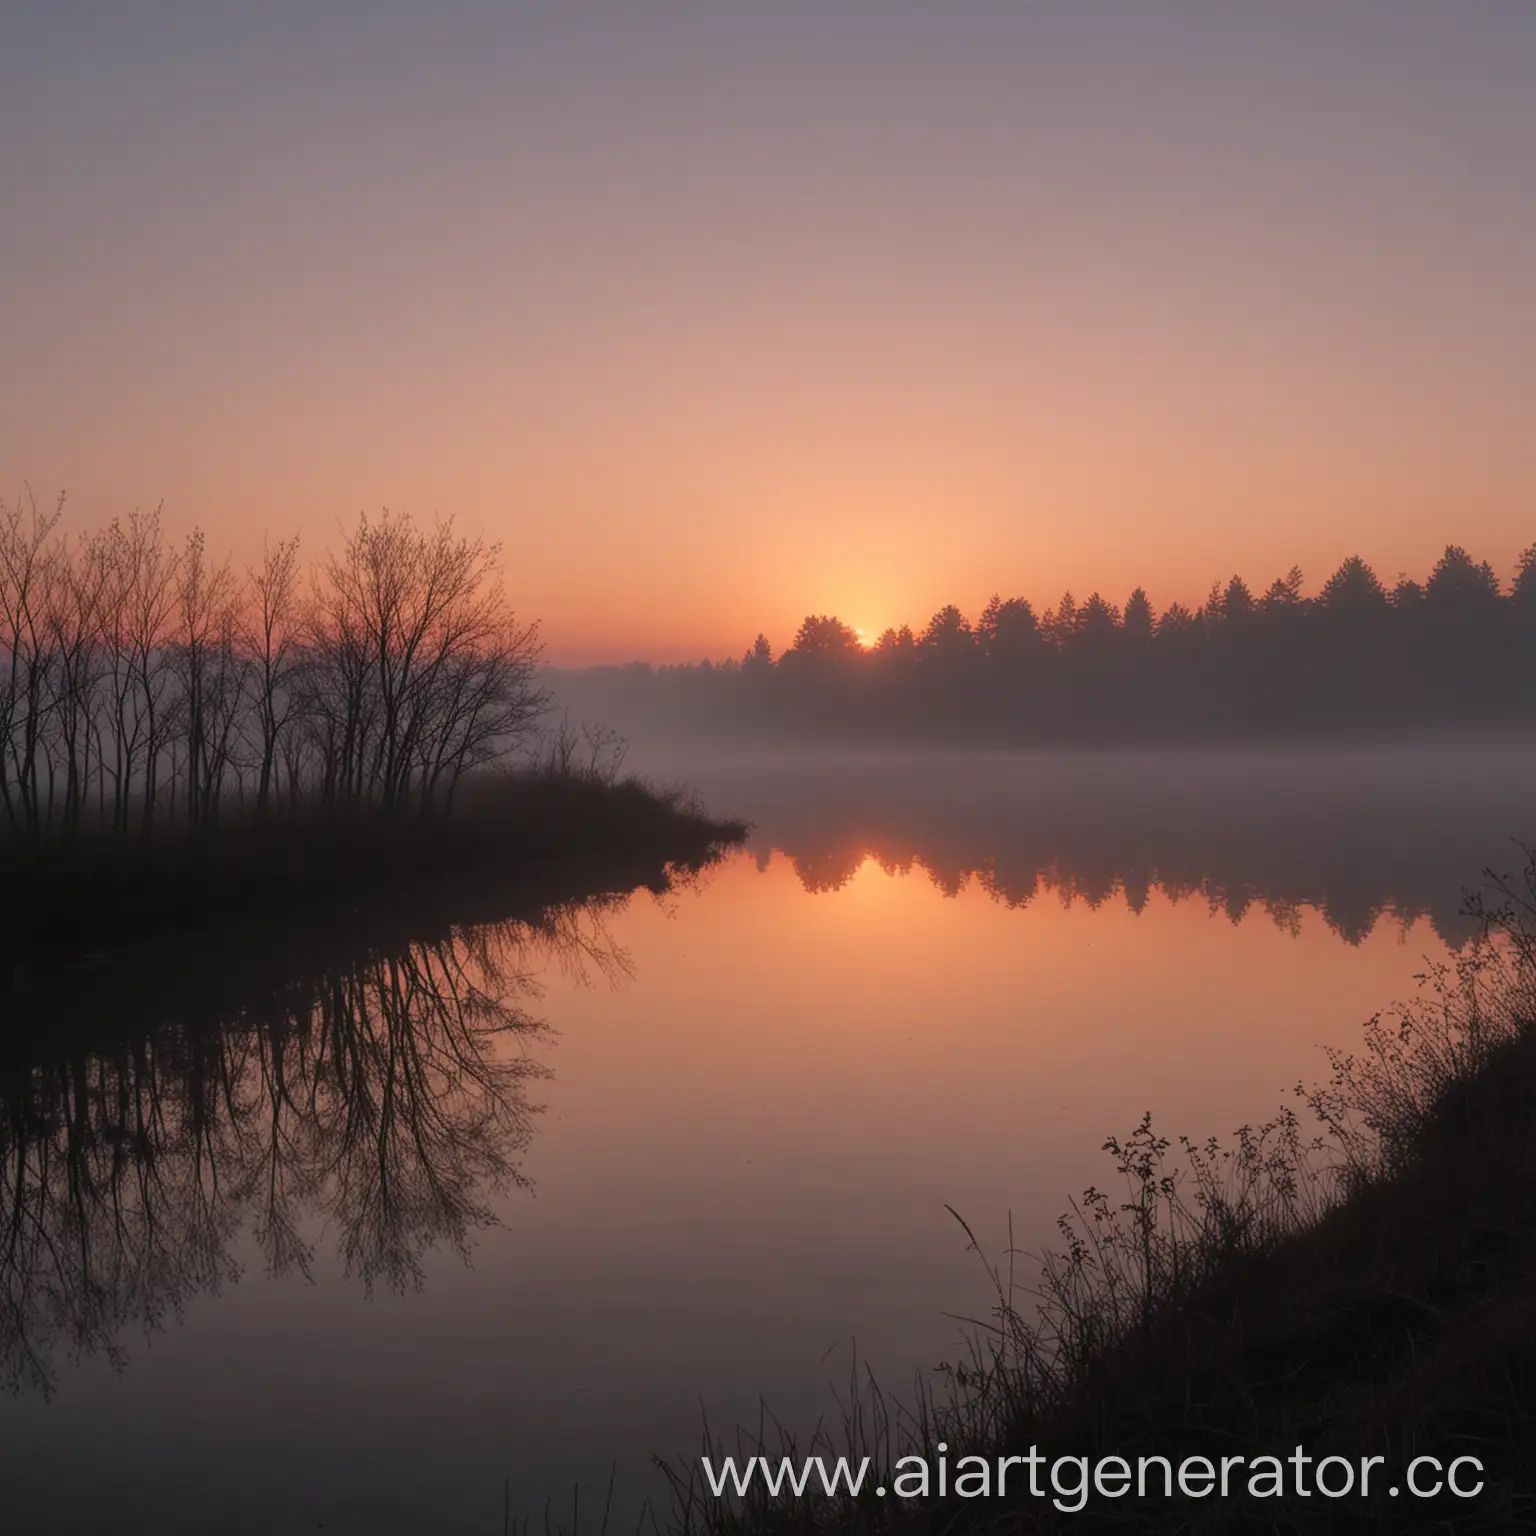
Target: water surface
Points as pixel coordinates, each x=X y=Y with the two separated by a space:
x=512 y=1203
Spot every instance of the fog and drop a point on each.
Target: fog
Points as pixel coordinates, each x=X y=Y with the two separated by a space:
x=1360 y=834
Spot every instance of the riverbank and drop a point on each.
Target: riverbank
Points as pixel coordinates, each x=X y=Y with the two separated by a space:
x=1368 y=1294
x=549 y=835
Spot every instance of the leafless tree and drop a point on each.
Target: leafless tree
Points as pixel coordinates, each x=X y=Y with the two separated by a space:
x=28 y=570
x=152 y=684
x=273 y=643
x=422 y=672
x=210 y=676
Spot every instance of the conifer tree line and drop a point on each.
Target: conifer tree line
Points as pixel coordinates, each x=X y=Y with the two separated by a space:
x=145 y=682
x=1456 y=648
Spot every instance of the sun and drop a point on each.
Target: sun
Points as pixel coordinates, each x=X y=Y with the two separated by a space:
x=865 y=639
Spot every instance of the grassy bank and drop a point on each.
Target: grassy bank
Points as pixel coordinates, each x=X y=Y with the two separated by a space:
x=547 y=834
x=1367 y=1291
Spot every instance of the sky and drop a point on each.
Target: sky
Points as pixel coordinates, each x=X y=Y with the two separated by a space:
x=719 y=315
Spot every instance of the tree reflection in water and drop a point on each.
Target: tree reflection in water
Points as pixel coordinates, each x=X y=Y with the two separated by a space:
x=382 y=1099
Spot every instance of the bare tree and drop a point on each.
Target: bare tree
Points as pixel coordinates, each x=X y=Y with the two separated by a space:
x=138 y=602
x=426 y=673
x=210 y=675
x=74 y=631
x=28 y=571
x=153 y=680
x=272 y=641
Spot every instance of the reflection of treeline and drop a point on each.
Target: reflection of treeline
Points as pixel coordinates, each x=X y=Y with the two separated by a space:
x=1454 y=649
x=1354 y=837
x=381 y=1099
x=1340 y=1289
x=143 y=682
x=361 y=1069
x=1016 y=884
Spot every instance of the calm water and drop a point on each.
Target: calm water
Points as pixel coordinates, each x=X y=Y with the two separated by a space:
x=511 y=1207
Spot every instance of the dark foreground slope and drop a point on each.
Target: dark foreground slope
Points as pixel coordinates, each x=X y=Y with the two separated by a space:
x=1403 y=1324
x=543 y=833
x=1370 y=1293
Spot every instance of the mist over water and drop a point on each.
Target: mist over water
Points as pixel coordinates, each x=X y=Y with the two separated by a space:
x=1356 y=834
x=349 y=1239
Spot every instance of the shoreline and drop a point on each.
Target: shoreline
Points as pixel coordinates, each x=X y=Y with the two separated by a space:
x=514 y=839
x=1364 y=1292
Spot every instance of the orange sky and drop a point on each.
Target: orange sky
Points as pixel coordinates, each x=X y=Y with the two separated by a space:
x=718 y=321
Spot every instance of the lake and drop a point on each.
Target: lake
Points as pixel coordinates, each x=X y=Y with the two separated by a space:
x=507 y=1209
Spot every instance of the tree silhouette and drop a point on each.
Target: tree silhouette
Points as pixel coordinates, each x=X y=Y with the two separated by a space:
x=1284 y=593
x=1139 y=623
x=1452 y=652
x=822 y=638
x=1457 y=583
x=143 y=683
x=759 y=659
x=896 y=643
x=1098 y=622
x=948 y=635
x=1354 y=591
x=1524 y=588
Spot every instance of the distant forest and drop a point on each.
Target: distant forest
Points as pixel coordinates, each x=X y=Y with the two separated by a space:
x=1453 y=651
